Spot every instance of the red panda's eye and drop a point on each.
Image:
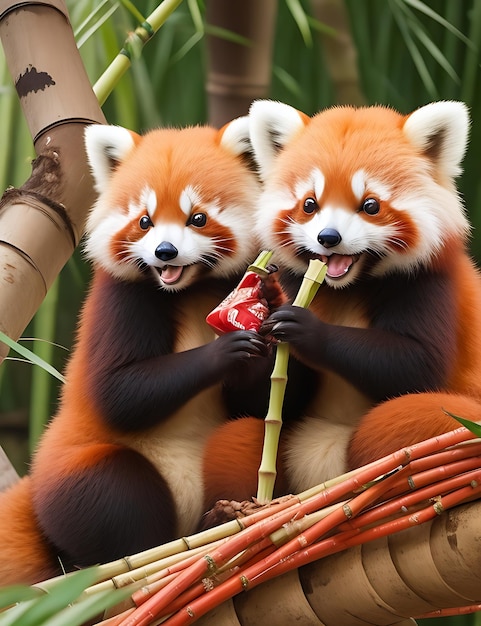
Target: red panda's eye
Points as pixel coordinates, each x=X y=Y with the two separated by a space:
x=145 y=222
x=370 y=206
x=310 y=205
x=198 y=220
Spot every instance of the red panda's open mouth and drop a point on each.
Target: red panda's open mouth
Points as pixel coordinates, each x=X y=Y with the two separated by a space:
x=170 y=274
x=338 y=265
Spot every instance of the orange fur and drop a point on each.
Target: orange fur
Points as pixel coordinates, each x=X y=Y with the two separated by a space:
x=22 y=542
x=407 y=420
x=232 y=459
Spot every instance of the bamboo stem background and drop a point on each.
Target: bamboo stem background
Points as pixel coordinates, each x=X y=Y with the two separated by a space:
x=58 y=101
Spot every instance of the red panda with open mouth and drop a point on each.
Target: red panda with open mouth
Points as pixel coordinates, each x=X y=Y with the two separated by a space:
x=180 y=218
x=394 y=332
x=118 y=470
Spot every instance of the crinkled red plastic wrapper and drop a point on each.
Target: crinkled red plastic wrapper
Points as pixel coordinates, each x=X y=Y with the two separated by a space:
x=245 y=308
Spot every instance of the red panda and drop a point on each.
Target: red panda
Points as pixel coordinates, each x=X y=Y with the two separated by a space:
x=118 y=470
x=394 y=332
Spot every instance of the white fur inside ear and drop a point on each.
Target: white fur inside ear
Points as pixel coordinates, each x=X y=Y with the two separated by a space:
x=440 y=130
x=272 y=126
x=236 y=136
x=106 y=147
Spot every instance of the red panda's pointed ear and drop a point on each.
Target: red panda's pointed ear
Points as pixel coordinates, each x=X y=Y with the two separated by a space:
x=272 y=126
x=440 y=130
x=235 y=137
x=106 y=147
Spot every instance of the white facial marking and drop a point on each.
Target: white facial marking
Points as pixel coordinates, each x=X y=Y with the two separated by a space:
x=358 y=185
x=188 y=199
x=314 y=184
x=361 y=184
x=319 y=182
x=150 y=201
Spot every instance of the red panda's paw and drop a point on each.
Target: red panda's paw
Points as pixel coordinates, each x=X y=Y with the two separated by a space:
x=227 y=510
x=272 y=290
x=405 y=421
x=230 y=349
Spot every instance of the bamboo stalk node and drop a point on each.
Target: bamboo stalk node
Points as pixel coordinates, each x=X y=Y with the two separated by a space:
x=7 y=6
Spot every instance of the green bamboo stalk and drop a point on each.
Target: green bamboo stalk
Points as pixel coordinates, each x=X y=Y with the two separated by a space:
x=132 y=48
x=273 y=422
x=259 y=265
x=42 y=384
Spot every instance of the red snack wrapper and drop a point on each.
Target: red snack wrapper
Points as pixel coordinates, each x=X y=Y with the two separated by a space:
x=245 y=308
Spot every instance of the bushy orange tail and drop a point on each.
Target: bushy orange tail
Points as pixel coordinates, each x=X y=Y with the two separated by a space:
x=25 y=556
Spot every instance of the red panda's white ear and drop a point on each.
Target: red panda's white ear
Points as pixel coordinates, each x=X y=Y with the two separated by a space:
x=440 y=130
x=235 y=137
x=272 y=126
x=106 y=147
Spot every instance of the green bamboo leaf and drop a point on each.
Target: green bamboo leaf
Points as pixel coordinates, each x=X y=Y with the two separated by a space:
x=196 y=15
x=228 y=35
x=35 y=612
x=83 y=610
x=320 y=27
x=133 y=10
x=416 y=56
x=81 y=39
x=300 y=17
x=470 y=74
x=186 y=48
x=423 y=8
x=289 y=82
x=17 y=593
x=30 y=356
x=435 y=52
x=470 y=425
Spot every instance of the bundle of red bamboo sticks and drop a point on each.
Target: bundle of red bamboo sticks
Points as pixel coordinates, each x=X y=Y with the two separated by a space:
x=181 y=581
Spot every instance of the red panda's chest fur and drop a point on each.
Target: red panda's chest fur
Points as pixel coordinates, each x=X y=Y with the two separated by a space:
x=191 y=423
x=335 y=398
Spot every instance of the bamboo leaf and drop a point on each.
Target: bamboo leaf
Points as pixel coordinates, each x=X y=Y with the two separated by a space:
x=228 y=35
x=30 y=356
x=416 y=56
x=300 y=17
x=81 y=39
x=35 y=612
x=196 y=15
x=133 y=10
x=78 y=613
x=17 y=593
x=289 y=82
x=423 y=8
x=435 y=52
x=470 y=425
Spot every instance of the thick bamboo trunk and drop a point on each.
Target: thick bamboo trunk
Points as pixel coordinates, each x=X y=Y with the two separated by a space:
x=340 y=51
x=238 y=74
x=42 y=222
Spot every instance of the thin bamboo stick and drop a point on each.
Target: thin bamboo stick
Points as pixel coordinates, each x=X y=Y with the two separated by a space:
x=132 y=48
x=273 y=422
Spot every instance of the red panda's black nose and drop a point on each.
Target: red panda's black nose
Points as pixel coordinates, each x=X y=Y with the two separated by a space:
x=328 y=237
x=166 y=251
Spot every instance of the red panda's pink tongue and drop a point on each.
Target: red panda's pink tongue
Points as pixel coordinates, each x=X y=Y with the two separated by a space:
x=338 y=264
x=171 y=273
